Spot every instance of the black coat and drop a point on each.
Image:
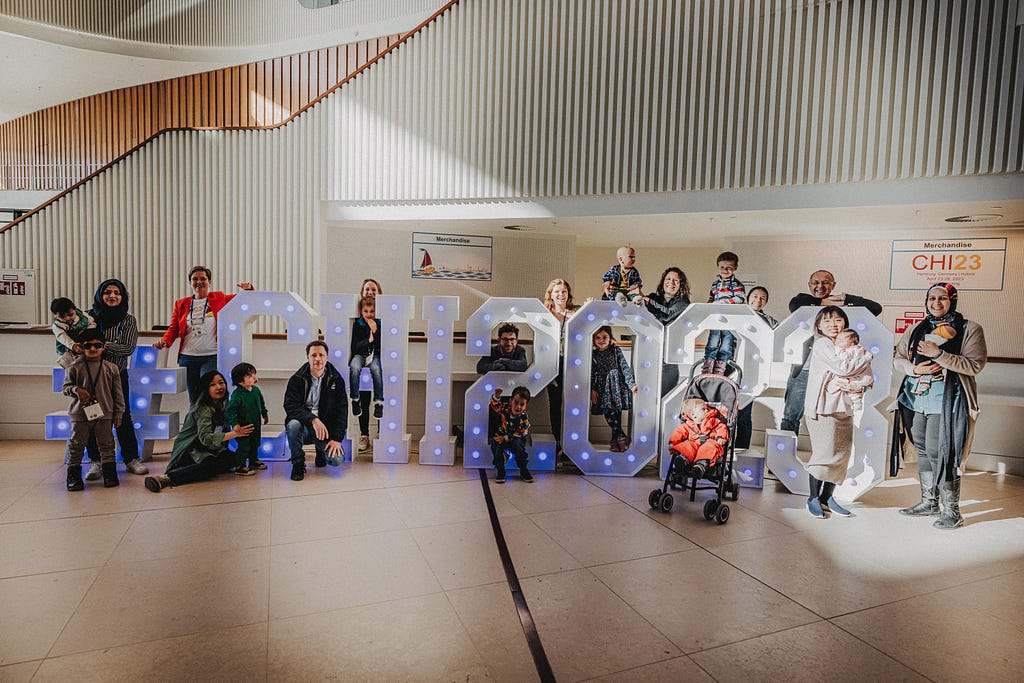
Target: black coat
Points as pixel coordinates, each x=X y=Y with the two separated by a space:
x=333 y=410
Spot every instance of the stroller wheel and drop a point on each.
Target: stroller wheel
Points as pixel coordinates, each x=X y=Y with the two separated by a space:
x=709 y=508
x=734 y=491
x=666 y=502
x=654 y=499
x=722 y=514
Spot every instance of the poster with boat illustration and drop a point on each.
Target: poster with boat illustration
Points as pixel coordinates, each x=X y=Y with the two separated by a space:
x=441 y=256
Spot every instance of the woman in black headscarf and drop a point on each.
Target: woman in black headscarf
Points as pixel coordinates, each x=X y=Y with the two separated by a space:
x=121 y=332
x=938 y=401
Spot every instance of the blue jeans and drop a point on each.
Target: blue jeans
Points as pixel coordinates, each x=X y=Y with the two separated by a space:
x=517 y=447
x=195 y=367
x=720 y=345
x=299 y=435
x=355 y=366
x=796 y=391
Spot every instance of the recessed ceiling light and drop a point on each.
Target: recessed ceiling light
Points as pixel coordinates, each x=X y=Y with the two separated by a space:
x=974 y=218
x=518 y=228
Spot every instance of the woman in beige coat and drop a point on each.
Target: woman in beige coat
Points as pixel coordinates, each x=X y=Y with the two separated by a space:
x=829 y=424
x=938 y=400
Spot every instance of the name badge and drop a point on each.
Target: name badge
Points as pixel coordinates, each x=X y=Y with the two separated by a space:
x=93 y=411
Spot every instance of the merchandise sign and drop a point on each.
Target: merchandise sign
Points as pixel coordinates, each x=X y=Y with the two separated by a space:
x=969 y=264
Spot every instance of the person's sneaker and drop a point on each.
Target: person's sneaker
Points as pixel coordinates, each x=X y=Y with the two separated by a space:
x=320 y=460
x=707 y=367
x=835 y=508
x=136 y=467
x=500 y=479
x=258 y=465
x=364 y=444
x=244 y=471
x=624 y=442
x=526 y=476
x=298 y=471
x=94 y=473
x=814 y=507
x=621 y=299
x=615 y=446
x=158 y=482
x=378 y=409
x=356 y=410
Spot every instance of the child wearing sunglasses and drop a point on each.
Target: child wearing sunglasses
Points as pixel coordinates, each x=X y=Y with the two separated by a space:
x=97 y=406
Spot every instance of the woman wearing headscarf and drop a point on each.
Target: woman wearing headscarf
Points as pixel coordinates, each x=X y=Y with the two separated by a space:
x=121 y=332
x=938 y=401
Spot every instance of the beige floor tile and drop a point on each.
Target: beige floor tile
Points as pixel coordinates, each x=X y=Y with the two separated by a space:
x=142 y=601
x=22 y=449
x=678 y=670
x=60 y=544
x=347 y=477
x=554 y=492
x=344 y=572
x=9 y=494
x=447 y=503
x=234 y=654
x=18 y=673
x=609 y=533
x=698 y=601
x=628 y=489
x=492 y=621
x=984 y=619
x=466 y=554
x=687 y=520
x=34 y=609
x=158 y=534
x=415 y=474
x=30 y=471
x=333 y=515
x=414 y=639
x=589 y=631
x=786 y=656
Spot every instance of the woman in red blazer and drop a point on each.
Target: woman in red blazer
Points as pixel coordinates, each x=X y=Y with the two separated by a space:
x=195 y=321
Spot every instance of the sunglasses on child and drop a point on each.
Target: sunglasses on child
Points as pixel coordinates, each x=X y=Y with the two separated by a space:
x=92 y=345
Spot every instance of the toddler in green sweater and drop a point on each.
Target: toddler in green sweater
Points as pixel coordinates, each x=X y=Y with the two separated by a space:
x=246 y=407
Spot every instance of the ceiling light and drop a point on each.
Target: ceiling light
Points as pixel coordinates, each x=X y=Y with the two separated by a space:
x=974 y=218
x=518 y=228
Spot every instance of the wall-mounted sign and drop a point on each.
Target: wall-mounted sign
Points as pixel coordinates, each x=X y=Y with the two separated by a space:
x=18 y=296
x=967 y=263
x=441 y=256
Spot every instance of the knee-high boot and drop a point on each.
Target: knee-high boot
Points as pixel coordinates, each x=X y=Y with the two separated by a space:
x=951 y=517
x=929 y=504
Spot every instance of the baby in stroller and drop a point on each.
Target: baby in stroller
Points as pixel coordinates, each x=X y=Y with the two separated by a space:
x=700 y=437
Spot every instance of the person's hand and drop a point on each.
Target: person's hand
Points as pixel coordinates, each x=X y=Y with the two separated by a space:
x=320 y=429
x=593 y=397
x=77 y=348
x=608 y=287
x=635 y=389
x=83 y=394
x=242 y=430
x=117 y=422
x=927 y=368
x=588 y=299
x=373 y=327
x=266 y=419
x=247 y=286
x=159 y=344
x=333 y=448
x=929 y=349
x=833 y=301
x=498 y=438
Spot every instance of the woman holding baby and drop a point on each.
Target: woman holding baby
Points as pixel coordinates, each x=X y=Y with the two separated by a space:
x=938 y=400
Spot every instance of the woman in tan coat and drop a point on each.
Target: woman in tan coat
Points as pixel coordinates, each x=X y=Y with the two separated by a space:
x=938 y=401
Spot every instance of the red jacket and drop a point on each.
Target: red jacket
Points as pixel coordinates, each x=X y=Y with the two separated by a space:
x=689 y=430
x=179 y=318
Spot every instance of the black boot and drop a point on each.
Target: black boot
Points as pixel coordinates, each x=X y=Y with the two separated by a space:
x=298 y=470
x=110 y=475
x=929 y=505
x=75 y=482
x=951 y=517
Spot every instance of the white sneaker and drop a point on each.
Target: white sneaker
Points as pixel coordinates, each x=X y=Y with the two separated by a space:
x=136 y=466
x=94 y=472
x=364 y=444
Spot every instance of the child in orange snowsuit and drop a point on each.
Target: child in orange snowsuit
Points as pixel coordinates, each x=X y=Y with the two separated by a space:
x=700 y=437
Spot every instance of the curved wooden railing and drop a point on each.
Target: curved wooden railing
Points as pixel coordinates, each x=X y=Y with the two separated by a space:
x=393 y=43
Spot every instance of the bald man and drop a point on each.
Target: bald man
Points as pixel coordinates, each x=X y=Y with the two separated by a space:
x=820 y=286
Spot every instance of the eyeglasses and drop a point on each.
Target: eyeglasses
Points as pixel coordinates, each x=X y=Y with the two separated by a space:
x=92 y=345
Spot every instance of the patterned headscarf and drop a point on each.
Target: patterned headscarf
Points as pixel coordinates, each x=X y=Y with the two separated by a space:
x=950 y=291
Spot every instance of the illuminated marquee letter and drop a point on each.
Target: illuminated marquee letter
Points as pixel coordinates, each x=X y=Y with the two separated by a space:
x=338 y=311
x=647 y=345
x=530 y=312
x=437 y=447
x=753 y=353
x=394 y=313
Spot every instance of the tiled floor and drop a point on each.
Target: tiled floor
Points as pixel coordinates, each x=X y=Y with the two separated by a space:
x=390 y=572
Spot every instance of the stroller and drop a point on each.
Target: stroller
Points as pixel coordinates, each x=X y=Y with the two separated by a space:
x=721 y=392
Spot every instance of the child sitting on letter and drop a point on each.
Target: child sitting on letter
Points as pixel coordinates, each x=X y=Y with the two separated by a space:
x=68 y=323
x=509 y=427
x=851 y=389
x=622 y=281
x=612 y=386
x=700 y=437
x=246 y=407
x=365 y=352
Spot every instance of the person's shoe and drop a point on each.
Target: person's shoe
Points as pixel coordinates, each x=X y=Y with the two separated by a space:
x=500 y=478
x=698 y=470
x=378 y=409
x=136 y=467
x=244 y=471
x=109 y=471
x=258 y=465
x=707 y=367
x=155 y=484
x=621 y=299
x=298 y=470
x=928 y=506
x=719 y=368
x=835 y=508
x=94 y=472
x=624 y=442
x=526 y=476
x=615 y=445
x=814 y=507
x=356 y=409
x=75 y=482
x=951 y=517
x=320 y=460
x=364 y=444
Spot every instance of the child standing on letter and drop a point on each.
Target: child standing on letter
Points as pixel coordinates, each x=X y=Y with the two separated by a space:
x=726 y=289
x=611 y=386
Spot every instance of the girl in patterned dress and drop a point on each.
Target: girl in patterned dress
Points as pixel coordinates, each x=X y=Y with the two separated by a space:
x=611 y=386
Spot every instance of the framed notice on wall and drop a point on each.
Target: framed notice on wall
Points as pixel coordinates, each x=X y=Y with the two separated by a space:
x=18 y=297
x=970 y=264
x=441 y=256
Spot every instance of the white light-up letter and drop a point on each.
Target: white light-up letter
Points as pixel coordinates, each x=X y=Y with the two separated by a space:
x=530 y=312
x=437 y=447
x=338 y=311
x=647 y=345
x=754 y=343
x=394 y=313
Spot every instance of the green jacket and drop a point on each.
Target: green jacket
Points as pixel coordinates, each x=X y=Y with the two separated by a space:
x=199 y=437
x=246 y=407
